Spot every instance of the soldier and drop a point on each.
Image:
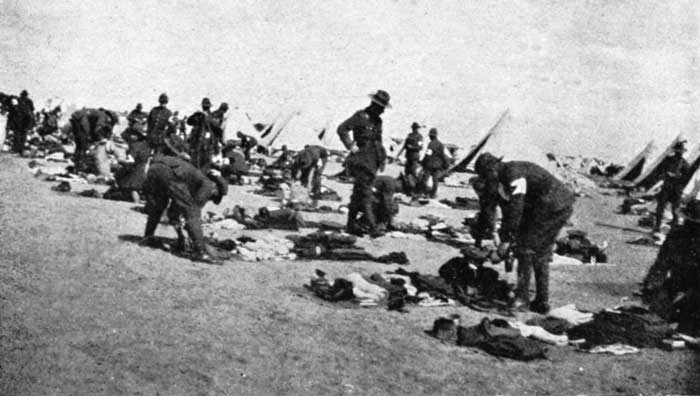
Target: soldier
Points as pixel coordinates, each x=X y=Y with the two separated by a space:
x=157 y=123
x=49 y=124
x=137 y=118
x=174 y=181
x=284 y=161
x=385 y=208
x=218 y=115
x=204 y=137
x=311 y=158
x=413 y=146
x=367 y=156
x=535 y=207
x=435 y=162
x=671 y=288
x=24 y=121
x=675 y=178
x=248 y=143
x=90 y=126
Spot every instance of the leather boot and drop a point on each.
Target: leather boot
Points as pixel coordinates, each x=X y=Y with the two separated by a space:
x=522 y=289
x=541 y=302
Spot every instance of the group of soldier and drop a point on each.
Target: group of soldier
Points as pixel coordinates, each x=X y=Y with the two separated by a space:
x=178 y=173
x=535 y=204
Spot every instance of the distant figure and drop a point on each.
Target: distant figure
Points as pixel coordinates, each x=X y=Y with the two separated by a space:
x=284 y=161
x=535 y=207
x=310 y=159
x=49 y=125
x=204 y=137
x=367 y=156
x=137 y=118
x=675 y=169
x=90 y=126
x=175 y=182
x=23 y=121
x=157 y=123
x=385 y=208
x=219 y=116
x=235 y=166
x=248 y=143
x=435 y=162
x=413 y=146
x=132 y=176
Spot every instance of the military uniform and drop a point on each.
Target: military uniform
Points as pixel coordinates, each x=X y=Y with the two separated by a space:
x=89 y=126
x=137 y=119
x=157 y=125
x=311 y=158
x=23 y=122
x=435 y=163
x=385 y=208
x=203 y=139
x=535 y=207
x=413 y=146
x=364 y=164
x=248 y=143
x=675 y=171
x=174 y=181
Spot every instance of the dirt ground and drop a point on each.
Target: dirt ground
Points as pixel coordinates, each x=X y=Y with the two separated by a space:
x=85 y=311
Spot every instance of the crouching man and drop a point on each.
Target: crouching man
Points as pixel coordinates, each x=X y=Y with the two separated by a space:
x=384 y=207
x=310 y=159
x=174 y=181
x=535 y=207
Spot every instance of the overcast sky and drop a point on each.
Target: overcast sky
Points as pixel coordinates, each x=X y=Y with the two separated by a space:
x=590 y=77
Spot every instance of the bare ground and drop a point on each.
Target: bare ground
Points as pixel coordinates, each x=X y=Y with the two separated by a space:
x=85 y=312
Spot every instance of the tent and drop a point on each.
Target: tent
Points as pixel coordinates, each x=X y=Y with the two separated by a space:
x=653 y=173
x=461 y=164
x=237 y=120
x=635 y=167
x=692 y=187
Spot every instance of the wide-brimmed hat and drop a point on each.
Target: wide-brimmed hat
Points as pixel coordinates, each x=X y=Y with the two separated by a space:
x=691 y=211
x=485 y=162
x=432 y=132
x=416 y=125
x=381 y=98
x=163 y=98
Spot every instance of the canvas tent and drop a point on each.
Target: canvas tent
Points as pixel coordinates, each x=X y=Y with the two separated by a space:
x=236 y=120
x=462 y=163
x=653 y=173
x=636 y=166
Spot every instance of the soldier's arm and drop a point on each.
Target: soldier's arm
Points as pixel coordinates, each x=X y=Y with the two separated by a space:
x=344 y=132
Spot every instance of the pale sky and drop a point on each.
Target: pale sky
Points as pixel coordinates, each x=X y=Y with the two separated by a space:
x=589 y=77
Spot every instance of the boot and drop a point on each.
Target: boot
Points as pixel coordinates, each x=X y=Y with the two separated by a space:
x=541 y=302
x=351 y=226
x=522 y=289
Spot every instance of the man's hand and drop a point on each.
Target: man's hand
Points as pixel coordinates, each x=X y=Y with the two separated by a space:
x=354 y=148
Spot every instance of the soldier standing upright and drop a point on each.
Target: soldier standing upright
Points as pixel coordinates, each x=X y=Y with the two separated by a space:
x=675 y=178
x=435 y=161
x=413 y=146
x=157 y=124
x=367 y=156
x=24 y=121
x=204 y=138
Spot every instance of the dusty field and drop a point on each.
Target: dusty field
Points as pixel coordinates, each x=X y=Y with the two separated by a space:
x=85 y=312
